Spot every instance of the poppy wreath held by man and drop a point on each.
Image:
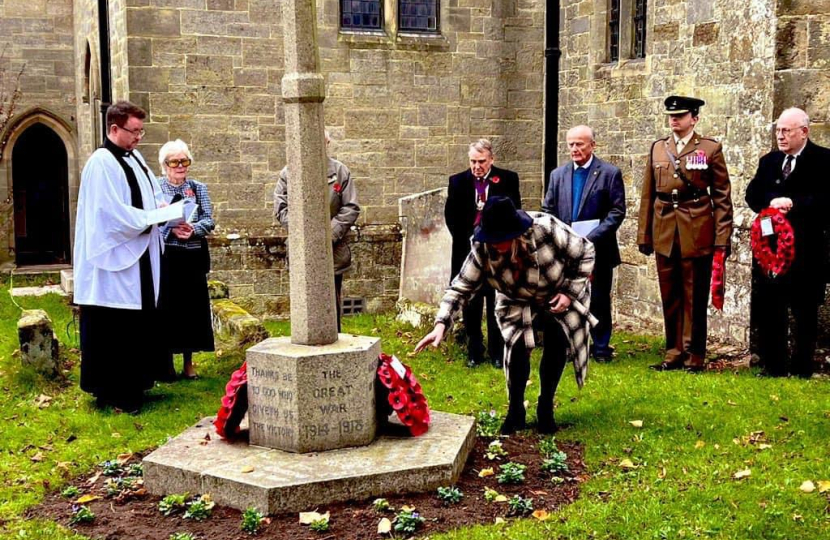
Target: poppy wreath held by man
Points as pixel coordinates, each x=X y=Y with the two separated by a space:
x=778 y=262
x=404 y=394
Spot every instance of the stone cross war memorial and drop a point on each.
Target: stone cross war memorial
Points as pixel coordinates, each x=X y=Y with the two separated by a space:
x=314 y=435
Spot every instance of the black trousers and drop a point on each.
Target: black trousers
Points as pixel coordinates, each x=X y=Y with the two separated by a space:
x=554 y=357
x=601 y=309
x=472 y=324
x=772 y=299
x=338 y=287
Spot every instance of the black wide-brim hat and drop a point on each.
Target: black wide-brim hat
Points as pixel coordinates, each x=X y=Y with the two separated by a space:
x=501 y=221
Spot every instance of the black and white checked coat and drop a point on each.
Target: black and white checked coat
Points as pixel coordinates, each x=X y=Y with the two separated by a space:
x=557 y=260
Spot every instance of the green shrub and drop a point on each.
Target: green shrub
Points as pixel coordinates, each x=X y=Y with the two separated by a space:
x=70 y=491
x=173 y=503
x=408 y=522
x=382 y=505
x=487 y=423
x=319 y=525
x=81 y=514
x=556 y=463
x=182 y=536
x=251 y=520
x=450 y=495
x=519 y=506
x=547 y=447
x=111 y=468
x=495 y=450
x=512 y=473
x=200 y=509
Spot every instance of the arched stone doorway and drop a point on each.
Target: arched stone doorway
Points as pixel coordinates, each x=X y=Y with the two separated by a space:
x=40 y=190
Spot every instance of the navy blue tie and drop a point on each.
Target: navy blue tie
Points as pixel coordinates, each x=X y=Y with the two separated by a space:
x=580 y=175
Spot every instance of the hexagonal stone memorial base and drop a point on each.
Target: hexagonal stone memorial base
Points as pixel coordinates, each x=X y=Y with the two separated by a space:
x=240 y=475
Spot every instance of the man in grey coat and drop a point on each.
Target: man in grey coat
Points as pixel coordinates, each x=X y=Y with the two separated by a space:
x=343 y=209
x=588 y=193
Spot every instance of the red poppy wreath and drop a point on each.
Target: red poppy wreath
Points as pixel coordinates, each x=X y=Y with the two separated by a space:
x=778 y=262
x=405 y=395
x=234 y=404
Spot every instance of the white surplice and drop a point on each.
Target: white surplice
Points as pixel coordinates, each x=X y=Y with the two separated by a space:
x=108 y=239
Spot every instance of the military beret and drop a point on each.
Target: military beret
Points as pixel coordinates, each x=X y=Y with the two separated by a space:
x=683 y=104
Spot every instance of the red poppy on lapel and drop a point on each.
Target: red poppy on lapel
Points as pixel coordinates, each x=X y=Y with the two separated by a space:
x=495 y=180
x=338 y=187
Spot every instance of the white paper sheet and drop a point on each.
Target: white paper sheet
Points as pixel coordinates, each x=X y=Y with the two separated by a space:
x=582 y=228
x=168 y=213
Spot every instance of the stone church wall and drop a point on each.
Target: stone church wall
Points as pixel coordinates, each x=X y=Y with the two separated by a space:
x=723 y=52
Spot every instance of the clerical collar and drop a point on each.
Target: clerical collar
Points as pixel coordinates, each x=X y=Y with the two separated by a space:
x=115 y=149
x=587 y=163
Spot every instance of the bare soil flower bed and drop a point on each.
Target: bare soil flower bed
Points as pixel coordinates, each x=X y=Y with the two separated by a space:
x=134 y=515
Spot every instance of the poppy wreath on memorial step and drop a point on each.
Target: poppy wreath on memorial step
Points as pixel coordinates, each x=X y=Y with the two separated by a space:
x=234 y=404
x=405 y=395
x=778 y=262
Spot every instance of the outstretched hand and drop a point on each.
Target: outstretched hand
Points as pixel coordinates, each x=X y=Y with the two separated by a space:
x=433 y=338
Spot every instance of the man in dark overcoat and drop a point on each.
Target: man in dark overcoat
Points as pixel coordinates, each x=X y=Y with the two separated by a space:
x=590 y=190
x=793 y=180
x=466 y=194
x=685 y=215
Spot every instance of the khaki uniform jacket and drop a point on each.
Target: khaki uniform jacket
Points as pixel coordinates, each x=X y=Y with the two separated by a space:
x=700 y=224
x=343 y=209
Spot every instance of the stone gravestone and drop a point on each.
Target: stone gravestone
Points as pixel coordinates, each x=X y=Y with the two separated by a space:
x=309 y=399
x=38 y=344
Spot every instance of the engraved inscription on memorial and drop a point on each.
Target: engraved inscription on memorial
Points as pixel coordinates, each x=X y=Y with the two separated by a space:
x=332 y=395
x=272 y=409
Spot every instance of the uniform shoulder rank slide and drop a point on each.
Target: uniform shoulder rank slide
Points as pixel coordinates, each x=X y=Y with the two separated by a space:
x=697 y=161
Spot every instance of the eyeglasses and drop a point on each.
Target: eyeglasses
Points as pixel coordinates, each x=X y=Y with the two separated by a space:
x=140 y=133
x=178 y=162
x=787 y=131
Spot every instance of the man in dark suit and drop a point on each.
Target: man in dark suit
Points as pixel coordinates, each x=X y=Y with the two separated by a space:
x=685 y=216
x=466 y=195
x=793 y=180
x=590 y=189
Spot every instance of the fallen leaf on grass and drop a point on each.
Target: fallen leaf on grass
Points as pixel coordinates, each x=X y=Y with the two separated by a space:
x=731 y=403
x=87 y=498
x=307 y=518
x=823 y=485
x=93 y=479
x=798 y=517
x=43 y=401
x=764 y=446
x=123 y=458
x=500 y=521
x=247 y=469
x=662 y=473
x=385 y=526
x=115 y=435
x=627 y=464
x=699 y=445
x=486 y=472
x=636 y=423
x=807 y=486
x=541 y=515
x=742 y=474
x=37 y=458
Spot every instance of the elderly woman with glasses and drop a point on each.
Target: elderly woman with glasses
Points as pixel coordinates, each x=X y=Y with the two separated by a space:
x=540 y=269
x=186 y=262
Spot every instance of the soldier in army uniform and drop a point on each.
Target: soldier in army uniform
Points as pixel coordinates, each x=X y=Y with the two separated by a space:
x=685 y=215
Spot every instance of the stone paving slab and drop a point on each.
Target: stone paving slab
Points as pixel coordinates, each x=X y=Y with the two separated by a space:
x=198 y=461
x=38 y=291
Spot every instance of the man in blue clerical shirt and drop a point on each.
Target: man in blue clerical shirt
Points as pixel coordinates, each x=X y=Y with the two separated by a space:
x=589 y=195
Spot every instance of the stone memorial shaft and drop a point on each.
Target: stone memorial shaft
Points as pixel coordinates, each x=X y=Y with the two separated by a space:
x=313 y=315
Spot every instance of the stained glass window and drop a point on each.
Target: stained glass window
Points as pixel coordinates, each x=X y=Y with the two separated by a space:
x=361 y=14
x=418 y=15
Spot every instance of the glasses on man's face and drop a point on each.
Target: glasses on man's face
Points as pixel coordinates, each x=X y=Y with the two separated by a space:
x=135 y=133
x=787 y=131
x=178 y=162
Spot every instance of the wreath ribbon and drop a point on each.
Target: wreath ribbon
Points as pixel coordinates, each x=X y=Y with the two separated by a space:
x=778 y=262
x=405 y=394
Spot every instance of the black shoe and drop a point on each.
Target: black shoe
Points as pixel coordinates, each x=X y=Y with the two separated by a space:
x=512 y=424
x=474 y=360
x=498 y=363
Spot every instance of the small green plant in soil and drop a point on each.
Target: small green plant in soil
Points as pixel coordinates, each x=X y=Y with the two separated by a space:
x=182 y=536
x=519 y=506
x=495 y=450
x=200 y=509
x=487 y=423
x=173 y=503
x=547 y=447
x=135 y=469
x=81 y=514
x=512 y=473
x=490 y=494
x=382 y=505
x=319 y=525
x=450 y=495
x=408 y=522
x=111 y=468
x=251 y=520
x=70 y=491
x=556 y=463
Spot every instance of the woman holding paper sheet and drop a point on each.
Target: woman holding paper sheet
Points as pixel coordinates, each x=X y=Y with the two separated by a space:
x=186 y=260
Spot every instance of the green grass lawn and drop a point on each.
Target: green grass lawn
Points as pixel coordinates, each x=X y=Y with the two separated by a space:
x=696 y=434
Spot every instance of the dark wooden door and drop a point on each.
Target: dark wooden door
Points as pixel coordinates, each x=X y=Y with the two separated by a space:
x=41 y=198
